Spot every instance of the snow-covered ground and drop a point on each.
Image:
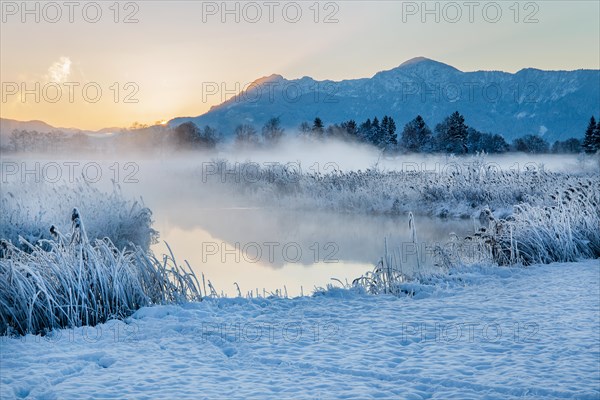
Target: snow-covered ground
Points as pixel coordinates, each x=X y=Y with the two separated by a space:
x=493 y=333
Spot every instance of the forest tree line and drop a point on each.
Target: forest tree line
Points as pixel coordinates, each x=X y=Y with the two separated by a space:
x=452 y=135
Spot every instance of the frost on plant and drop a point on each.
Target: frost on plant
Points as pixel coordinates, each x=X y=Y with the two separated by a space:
x=29 y=210
x=72 y=280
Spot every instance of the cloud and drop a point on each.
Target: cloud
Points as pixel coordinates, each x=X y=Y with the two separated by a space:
x=60 y=70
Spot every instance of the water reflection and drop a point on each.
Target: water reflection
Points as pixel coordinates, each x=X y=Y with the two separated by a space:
x=270 y=248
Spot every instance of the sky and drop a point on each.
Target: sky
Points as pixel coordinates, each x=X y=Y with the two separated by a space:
x=102 y=64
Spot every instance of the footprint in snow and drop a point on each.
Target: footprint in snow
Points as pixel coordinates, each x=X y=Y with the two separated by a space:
x=100 y=358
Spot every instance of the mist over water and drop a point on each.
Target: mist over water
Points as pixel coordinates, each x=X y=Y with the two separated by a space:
x=231 y=238
x=155 y=153
x=326 y=155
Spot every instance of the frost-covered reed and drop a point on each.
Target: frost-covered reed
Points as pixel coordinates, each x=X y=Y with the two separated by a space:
x=72 y=280
x=459 y=189
x=566 y=230
x=394 y=272
x=29 y=209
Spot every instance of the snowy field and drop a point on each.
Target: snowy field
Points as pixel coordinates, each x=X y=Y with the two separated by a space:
x=459 y=326
x=492 y=333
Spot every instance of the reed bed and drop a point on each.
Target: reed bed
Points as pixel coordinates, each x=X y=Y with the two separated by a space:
x=29 y=209
x=457 y=191
x=567 y=231
x=71 y=280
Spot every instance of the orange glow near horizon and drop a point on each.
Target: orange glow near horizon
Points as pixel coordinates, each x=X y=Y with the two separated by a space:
x=112 y=74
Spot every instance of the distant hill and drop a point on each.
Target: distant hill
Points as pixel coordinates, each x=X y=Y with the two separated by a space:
x=553 y=104
x=7 y=126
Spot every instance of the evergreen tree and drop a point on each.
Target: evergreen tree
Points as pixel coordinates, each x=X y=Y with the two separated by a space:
x=365 y=130
x=591 y=142
x=336 y=131
x=351 y=129
x=452 y=134
x=416 y=136
x=317 y=128
x=389 y=138
x=596 y=140
x=375 y=135
x=385 y=123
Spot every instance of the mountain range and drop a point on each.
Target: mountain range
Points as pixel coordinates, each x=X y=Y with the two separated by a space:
x=556 y=105
x=553 y=104
x=7 y=126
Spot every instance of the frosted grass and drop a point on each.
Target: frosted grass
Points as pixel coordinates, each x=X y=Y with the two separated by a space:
x=29 y=209
x=460 y=189
x=71 y=281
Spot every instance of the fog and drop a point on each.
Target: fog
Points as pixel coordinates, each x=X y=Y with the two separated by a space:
x=221 y=232
x=174 y=182
x=347 y=156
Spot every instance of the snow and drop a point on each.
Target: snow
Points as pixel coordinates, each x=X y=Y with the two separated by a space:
x=489 y=99
x=337 y=344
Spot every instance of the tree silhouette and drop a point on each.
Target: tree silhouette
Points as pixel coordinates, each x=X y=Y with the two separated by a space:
x=591 y=142
x=272 y=131
x=318 y=128
x=452 y=134
x=416 y=136
x=246 y=134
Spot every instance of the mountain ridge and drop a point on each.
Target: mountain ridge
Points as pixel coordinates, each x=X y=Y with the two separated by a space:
x=8 y=125
x=553 y=104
